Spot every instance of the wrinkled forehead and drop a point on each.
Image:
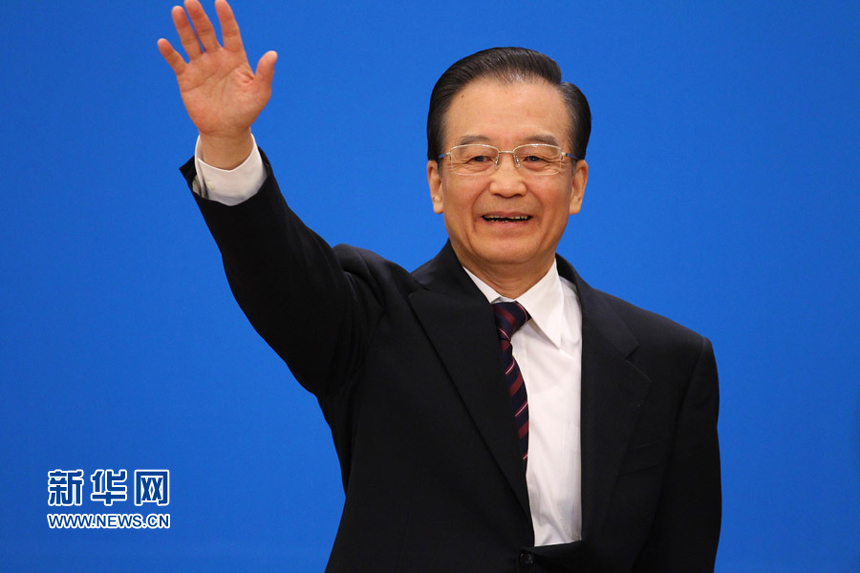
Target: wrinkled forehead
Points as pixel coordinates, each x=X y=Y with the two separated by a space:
x=507 y=111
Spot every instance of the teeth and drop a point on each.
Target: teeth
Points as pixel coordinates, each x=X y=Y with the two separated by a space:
x=515 y=218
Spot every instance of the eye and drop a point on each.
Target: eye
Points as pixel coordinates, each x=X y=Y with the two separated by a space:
x=533 y=159
x=478 y=159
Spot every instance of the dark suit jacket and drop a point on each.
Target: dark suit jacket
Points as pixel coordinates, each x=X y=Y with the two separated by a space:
x=406 y=369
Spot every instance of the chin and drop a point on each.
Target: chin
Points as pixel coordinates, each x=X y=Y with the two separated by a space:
x=508 y=256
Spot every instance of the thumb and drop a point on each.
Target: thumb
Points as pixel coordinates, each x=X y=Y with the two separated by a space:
x=266 y=67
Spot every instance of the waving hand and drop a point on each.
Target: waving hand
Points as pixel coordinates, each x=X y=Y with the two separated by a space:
x=221 y=93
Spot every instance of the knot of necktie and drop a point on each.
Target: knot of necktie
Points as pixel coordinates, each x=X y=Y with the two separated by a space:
x=510 y=317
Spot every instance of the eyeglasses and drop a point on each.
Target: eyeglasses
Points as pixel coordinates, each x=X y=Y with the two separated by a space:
x=481 y=159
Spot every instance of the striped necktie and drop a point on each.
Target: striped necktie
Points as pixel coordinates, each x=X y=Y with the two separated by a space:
x=510 y=316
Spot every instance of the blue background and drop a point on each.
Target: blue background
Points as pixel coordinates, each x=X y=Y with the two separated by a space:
x=723 y=193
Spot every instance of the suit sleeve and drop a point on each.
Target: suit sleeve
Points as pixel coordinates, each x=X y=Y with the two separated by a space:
x=686 y=529
x=314 y=308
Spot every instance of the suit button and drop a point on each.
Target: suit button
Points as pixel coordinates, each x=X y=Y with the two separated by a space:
x=526 y=559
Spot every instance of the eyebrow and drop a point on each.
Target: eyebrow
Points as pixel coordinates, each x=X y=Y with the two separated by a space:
x=466 y=139
x=536 y=138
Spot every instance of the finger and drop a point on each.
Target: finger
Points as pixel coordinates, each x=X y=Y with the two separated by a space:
x=229 y=27
x=203 y=26
x=186 y=34
x=171 y=56
x=266 y=68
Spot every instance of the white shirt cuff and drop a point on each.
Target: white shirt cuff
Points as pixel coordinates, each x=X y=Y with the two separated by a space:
x=232 y=186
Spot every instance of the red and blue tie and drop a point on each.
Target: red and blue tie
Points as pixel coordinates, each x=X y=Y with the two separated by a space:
x=510 y=316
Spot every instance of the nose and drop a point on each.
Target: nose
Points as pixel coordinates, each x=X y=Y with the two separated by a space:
x=507 y=179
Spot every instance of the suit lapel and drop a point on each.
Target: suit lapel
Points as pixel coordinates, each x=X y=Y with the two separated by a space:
x=470 y=353
x=613 y=390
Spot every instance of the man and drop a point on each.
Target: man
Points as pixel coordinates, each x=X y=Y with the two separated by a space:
x=560 y=430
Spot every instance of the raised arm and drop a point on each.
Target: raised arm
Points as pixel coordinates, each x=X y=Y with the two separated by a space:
x=222 y=94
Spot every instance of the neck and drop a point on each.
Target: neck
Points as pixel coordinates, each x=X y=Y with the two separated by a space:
x=511 y=280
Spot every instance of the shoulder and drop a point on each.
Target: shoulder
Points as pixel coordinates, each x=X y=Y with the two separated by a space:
x=631 y=328
x=366 y=269
x=664 y=348
x=647 y=323
x=365 y=262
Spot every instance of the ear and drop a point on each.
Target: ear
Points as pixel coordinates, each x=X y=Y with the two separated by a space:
x=434 y=180
x=580 y=179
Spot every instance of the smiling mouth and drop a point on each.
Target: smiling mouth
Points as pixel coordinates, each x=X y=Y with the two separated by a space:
x=514 y=219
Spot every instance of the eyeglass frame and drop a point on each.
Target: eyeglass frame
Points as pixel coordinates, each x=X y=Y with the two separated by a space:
x=513 y=154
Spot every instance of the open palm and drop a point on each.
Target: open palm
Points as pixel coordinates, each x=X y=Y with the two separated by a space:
x=221 y=93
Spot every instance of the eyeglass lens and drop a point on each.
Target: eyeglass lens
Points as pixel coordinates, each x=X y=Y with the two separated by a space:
x=537 y=158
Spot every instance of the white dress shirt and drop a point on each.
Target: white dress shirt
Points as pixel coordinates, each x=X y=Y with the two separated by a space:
x=548 y=349
x=233 y=186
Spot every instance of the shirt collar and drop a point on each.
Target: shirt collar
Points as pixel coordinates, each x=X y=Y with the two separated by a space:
x=544 y=301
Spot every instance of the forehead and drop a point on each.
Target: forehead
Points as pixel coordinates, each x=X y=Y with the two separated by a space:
x=507 y=114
